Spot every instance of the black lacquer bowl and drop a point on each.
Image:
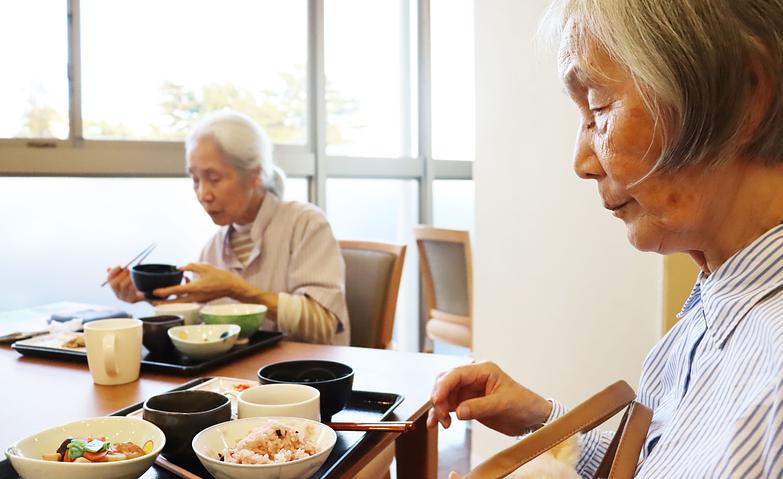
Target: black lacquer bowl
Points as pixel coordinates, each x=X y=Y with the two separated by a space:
x=149 y=277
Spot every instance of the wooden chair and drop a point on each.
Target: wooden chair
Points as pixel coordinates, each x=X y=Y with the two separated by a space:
x=447 y=281
x=372 y=282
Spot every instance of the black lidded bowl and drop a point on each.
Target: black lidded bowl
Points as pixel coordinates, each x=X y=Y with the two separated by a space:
x=149 y=277
x=334 y=380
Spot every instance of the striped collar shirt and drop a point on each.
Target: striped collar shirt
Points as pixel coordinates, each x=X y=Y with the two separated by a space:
x=715 y=381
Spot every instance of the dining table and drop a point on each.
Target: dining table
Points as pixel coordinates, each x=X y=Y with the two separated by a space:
x=39 y=393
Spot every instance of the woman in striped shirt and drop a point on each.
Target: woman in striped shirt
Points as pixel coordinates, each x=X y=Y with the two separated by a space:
x=268 y=251
x=682 y=130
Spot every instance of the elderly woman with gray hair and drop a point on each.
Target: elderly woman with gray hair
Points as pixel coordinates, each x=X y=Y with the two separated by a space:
x=268 y=251
x=682 y=130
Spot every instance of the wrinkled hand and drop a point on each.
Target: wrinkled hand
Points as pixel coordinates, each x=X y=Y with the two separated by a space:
x=210 y=283
x=122 y=285
x=482 y=391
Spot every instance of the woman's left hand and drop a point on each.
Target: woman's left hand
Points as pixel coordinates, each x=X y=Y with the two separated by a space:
x=210 y=283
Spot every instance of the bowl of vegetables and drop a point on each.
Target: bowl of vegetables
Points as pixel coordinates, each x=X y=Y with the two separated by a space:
x=116 y=447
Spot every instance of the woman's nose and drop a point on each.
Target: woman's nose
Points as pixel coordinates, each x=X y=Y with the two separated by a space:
x=204 y=193
x=586 y=163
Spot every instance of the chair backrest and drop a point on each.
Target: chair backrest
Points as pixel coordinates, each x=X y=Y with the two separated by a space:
x=372 y=281
x=446 y=270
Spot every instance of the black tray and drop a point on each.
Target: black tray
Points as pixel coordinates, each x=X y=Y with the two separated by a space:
x=173 y=363
x=363 y=406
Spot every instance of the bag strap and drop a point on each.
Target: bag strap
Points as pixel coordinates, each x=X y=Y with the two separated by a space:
x=622 y=455
x=584 y=417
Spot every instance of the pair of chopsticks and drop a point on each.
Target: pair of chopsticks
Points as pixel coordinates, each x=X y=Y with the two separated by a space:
x=141 y=256
x=175 y=469
x=388 y=426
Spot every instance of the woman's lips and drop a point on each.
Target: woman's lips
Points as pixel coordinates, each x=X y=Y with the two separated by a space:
x=617 y=206
x=617 y=210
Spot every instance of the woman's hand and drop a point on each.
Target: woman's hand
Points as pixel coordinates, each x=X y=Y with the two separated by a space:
x=482 y=391
x=210 y=283
x=122 y=285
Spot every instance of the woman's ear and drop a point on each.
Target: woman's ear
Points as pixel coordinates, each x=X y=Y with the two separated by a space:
x=761 y=92
x=255 y=173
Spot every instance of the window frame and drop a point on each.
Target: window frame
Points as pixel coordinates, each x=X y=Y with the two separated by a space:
x=77 y=156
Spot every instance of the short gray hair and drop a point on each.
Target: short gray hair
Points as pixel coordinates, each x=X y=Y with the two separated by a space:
x=690 y=60
x=245 y=145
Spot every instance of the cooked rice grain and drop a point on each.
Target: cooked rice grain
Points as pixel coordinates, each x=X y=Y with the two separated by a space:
x=271 y=444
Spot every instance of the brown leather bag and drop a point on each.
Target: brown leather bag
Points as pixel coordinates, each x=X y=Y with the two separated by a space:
x=621 y=457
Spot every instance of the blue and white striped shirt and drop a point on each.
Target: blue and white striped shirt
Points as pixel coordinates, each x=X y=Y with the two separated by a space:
x=715 y=381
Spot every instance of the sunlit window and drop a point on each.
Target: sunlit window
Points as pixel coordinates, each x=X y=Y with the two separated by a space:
x=368 y=75
x=151 y=68
x=34 y=93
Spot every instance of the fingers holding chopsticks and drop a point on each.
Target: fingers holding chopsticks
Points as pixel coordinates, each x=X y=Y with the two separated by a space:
x=121 y=284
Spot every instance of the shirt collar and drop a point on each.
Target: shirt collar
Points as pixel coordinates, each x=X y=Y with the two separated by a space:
x=264 y=216
x=744 y=280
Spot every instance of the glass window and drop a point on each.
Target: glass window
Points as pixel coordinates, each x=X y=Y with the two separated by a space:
x=84 y=225
x=34 y=96
x=453 y=80
x=368 y=78
x=151 y=68
x=386 y=211
x=297 y=189
x=453 y=204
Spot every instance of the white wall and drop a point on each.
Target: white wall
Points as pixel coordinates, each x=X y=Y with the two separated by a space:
x=562 y=301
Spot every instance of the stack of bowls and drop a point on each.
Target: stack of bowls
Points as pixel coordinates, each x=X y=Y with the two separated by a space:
x=332 y=379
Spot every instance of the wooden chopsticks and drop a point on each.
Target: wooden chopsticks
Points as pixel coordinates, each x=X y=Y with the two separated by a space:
x=174 y=469
x=390 y=426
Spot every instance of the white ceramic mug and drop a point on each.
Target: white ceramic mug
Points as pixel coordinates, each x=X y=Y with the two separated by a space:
x=189 y=311
x=113 y=350
x=290 y=400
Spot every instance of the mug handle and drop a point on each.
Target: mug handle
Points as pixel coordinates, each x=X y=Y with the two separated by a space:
x=109 y=354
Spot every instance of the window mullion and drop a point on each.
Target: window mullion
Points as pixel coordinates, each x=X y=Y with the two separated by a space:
x=75 y=133
x=317 y=99
x=425 y=111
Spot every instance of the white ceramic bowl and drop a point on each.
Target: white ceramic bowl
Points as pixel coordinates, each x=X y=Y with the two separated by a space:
x=189 y=311
x=25 y=455
x=204 y=341
x=214 y=439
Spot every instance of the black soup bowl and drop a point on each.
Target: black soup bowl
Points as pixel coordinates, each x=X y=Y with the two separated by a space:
x=155 y=332
x=183 y=414
x=333 y=380
x=149 y=277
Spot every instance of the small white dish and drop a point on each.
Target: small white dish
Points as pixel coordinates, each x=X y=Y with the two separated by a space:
x=214 y=439
x=25 y=455
x=204 y=341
